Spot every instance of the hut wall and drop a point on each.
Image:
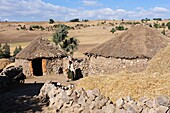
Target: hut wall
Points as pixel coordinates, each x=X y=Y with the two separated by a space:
x=53 y=65
x=26 y=66
x=101 y=65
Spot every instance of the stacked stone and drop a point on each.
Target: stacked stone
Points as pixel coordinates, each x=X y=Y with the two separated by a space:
x=69 y=100
x=11 y=75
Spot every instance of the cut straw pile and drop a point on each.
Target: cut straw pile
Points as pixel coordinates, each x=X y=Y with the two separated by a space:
x=122 y=85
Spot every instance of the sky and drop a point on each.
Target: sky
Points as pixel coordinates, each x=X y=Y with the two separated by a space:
x=65 y=10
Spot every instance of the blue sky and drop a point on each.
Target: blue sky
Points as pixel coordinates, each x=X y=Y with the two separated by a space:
x=64 y=10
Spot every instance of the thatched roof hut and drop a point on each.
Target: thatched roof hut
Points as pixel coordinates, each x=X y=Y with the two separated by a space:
x=160 y=64
x=137 y=42
x=40 y=57
x=41 y=48
x=130 y=51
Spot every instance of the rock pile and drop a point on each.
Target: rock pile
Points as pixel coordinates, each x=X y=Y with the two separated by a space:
x=11 y=75
x=70 y=100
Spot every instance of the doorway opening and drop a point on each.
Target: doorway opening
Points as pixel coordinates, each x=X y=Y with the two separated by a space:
x=37 y=67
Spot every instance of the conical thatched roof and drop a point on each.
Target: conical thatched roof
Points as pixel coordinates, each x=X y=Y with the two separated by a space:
x=40 y=48
x=137 y=42
x=160 y=64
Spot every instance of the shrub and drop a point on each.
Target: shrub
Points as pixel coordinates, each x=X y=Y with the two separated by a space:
x=158 y=19
x=113 y=30
x=120 y=28
x=156 y=25
x=17 y=50
x=75 y=20
x=163 y=32
x=168 y=25
x=5 y=51
x=51 y=21
x=85 y=20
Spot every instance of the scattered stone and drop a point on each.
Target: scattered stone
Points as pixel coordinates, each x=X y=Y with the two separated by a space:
x=162 y=109
x=161 y=100
x=119 y=103
x=91 y=101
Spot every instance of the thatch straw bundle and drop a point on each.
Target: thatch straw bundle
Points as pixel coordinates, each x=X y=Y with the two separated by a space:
x=122 y=85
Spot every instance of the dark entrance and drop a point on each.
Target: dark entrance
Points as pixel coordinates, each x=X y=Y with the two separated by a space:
x=37 y=67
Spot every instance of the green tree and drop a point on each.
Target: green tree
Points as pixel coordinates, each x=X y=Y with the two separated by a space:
x=168 y=25
x=61 y=39
x=51 y=21
x=75 y=20
x=113 y=30
x=1 y=53
x=6 y=50
x=17 y=50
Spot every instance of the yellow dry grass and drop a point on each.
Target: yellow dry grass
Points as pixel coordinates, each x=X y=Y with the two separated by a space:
x=128 y=84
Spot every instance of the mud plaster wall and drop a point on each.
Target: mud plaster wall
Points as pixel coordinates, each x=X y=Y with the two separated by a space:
x=26 y=66
x=101 y=65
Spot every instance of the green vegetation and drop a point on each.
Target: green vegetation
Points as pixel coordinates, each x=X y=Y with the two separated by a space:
x=4 y=51
x=75 y=20
x=113 y=30
x=156 y=25
x=33 y=27
x=17 y=50
x=120 y=28
x=158 y=19
x=61 y=39
x=51 y=21
x=145 y=20
x=163 y=32
x=168 y=25
x=85 y=20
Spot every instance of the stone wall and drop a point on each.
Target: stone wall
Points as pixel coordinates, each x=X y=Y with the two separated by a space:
x=26 y=66
x=53 y=65
x=101 y=65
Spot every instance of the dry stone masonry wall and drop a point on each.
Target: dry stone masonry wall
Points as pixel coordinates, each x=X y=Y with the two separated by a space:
x=101 y=65
x=64 y=99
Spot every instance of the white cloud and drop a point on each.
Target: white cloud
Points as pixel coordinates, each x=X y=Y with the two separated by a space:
x=91 y=3
x=159 y=9
x=37 y=10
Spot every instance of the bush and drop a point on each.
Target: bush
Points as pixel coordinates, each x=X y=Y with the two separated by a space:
x=120 y=28
x=113 y=30
x=17 y=50
x=168 y=25
x=156 y=25
x=163 y=32
x=51 y=21
x=75 y=20
x=158 y=19
x=4 y=51
x=23 y=27
x=85 y=20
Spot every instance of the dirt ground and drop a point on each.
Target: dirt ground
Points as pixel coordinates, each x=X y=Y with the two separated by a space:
x=23 y=99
